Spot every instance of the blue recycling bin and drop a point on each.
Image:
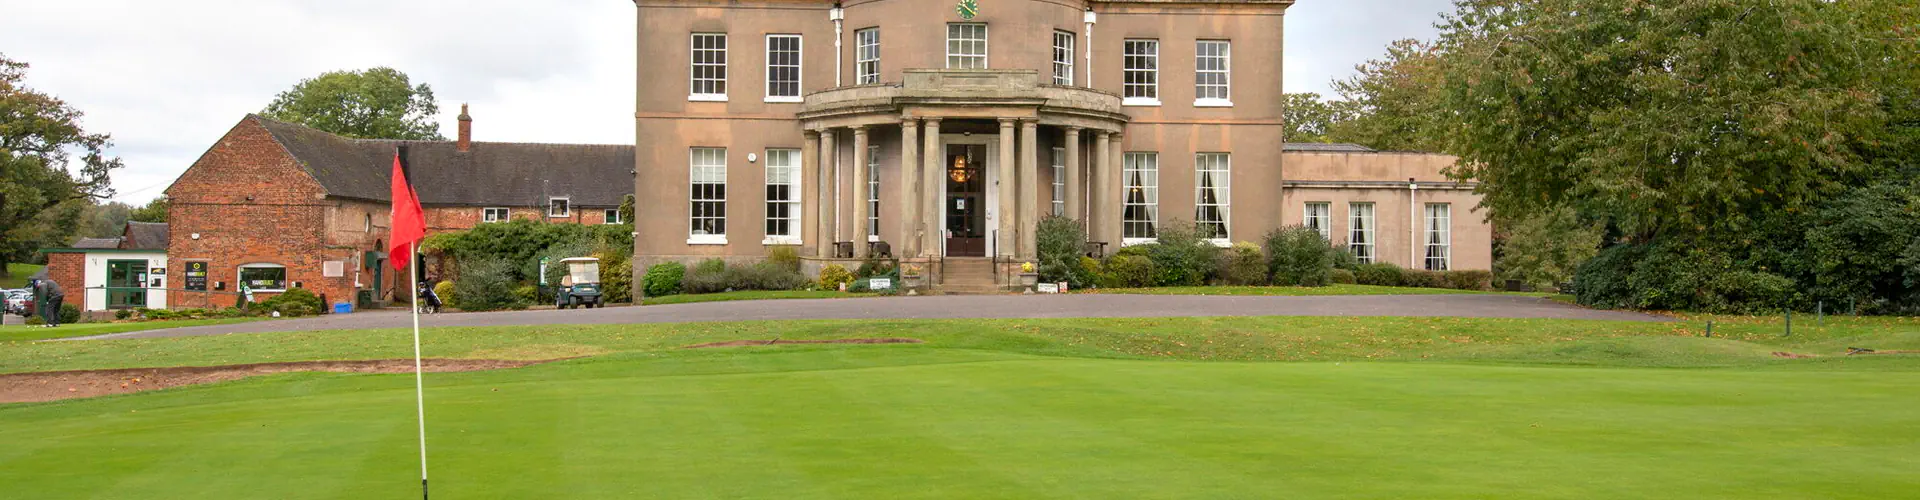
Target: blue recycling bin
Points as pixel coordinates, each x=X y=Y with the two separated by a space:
x=342 y=308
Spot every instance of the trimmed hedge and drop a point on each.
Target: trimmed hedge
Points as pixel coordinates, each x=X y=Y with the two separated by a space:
x=664 y=279
x=1243 y=265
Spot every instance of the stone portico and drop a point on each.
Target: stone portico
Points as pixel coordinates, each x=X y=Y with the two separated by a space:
x=942 y=119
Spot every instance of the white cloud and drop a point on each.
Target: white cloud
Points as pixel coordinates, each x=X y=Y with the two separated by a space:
x=168 y=78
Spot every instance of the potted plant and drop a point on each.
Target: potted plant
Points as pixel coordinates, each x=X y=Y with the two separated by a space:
x=911 y=278
x=1028 y=277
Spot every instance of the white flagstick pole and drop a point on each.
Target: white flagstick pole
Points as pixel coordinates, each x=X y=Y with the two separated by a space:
x=419 y=384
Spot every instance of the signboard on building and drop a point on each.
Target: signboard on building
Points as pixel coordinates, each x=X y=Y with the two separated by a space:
x=196 y=276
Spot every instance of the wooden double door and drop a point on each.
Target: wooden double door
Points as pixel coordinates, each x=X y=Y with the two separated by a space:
x=966 y=200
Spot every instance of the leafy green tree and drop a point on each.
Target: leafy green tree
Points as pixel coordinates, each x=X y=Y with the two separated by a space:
x=47 y=160
x=379 y=103
x=1682 y=118
x=1392 y=104
x=154 y=211
x=104 y=220
x=1309 y=117
x=1546 y=248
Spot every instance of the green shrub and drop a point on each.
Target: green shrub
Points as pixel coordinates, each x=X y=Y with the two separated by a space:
x=1298 y=256
x=1128 y=271
x=834 y=275
x=445 y=290
x=1341 y=276
x=69 y=314
x=765 y=275
x=521 y=243
x=1061 y=243
x=710 y=266
x=786 y=257
x=1678 y=276
x=486 y=285
x=122 y=315
x=1134 y=250
x=616 y=276
x=294 y=302
x=1243 y=265
x=664 y=279
x=35 y=320
x=1181 y=257
x=709 y=276
x=874 y=266
x=1343 y=258
x=1421 y=278
x=1468 y=280
x=529 y=294
x=1092 y=267
x=1377 y=274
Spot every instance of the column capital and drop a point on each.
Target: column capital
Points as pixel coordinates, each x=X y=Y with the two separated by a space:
x=810 y=134
x=930 y=119
x=1008 y=122
x=1031 y=121
x=910 y=121
x=859 y=130
x=1073 y=130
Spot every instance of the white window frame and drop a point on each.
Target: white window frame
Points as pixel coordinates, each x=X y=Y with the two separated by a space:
x=1140 y=94
x=487 y=215
x=873 y=194
x=985 y=48
x=1319 y=216
x=799 y=51
x=694 y=65
x=695 y=167
x=866 y=56
x=1063 y=57
x=1222 y=165
x=565 y=205
x=1360 y=231
x=1201 y=90
x=240 y=273
x=1144 y=166
x=1439 y=236
x=611 y=216
x=1059 y=165
x=788 y=161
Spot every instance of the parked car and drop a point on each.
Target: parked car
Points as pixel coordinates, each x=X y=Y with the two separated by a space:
x=19 y=302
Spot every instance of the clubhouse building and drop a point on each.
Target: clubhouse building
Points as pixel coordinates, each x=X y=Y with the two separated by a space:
x=940 y=132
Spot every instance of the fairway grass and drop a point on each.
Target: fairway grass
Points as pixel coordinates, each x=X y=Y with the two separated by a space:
x=25 y=332
x=1084 y=408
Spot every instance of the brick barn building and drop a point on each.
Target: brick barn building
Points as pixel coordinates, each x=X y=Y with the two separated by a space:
x=281 y=205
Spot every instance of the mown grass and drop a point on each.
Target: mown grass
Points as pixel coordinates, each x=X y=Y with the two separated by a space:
x=1435 y=408
x=1298 y=291
x=752 y=295
x=17 y=274
x=15 y=333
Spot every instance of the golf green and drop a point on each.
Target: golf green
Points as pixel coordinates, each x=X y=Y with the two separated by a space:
x=917 y=421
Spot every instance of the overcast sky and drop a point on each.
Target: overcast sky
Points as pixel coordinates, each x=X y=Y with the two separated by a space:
x=166 y=79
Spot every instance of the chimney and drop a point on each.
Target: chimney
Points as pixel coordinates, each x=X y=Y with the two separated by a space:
x=466 y=130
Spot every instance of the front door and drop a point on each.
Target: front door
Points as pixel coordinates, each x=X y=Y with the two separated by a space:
x=126 y=284
x=966 y=200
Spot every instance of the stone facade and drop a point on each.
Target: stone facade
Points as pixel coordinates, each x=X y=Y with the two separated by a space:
x=1049 y=88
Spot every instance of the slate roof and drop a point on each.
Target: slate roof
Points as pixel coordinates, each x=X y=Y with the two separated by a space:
x=146 y=236
x=97 y=243
x=488 y=174
x=1321 y=147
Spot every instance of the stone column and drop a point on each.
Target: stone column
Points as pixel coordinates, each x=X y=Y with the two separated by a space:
x=861 y=193
x=1029 y=187
x=1101 y=198
x=811 y=187
x=1116 y=187
x=829 y=195
x=1074 y=184
x=1008 y=203
x=910 y=189
x=933 y=173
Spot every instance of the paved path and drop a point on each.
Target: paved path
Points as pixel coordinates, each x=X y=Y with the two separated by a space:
x=950 y=307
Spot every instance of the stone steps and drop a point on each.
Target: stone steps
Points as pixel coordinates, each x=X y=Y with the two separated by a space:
x=969 y=277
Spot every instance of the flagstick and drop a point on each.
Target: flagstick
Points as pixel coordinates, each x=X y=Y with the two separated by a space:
x=419 y=384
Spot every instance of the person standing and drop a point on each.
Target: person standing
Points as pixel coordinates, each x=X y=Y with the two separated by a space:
x=48 y=296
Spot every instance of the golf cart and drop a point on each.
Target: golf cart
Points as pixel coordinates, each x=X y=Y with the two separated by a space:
x=581 y=286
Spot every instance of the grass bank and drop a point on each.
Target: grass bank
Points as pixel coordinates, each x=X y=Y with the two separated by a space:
x=1299 y=291
x=25 y=333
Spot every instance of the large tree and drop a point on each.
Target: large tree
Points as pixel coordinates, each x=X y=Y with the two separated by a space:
x=1309 y=117
x=1392 y=103
x=1683 y=118
x=153 y=211
x=47 y=160
x=379 y=103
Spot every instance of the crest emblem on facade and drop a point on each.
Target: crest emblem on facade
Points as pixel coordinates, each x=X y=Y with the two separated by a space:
x=968 y=9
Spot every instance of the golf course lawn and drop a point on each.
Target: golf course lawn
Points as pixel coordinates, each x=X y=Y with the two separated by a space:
x=1115 y=408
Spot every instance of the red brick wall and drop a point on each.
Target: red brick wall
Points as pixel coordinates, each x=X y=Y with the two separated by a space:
x=248 y=202
x=70 y=271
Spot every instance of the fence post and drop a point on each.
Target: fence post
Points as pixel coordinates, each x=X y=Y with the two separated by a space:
x=1789 y=322
x=1709 y=328
x=1820 y=314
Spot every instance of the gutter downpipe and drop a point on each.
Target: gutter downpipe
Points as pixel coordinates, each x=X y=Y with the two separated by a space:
x=838 y=16
x=1413 y=224
x=1090 y=18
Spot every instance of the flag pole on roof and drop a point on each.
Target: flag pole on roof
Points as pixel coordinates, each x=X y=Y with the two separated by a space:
x=409 y=227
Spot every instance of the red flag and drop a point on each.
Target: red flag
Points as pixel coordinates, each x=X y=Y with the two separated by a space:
x=409 y=222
